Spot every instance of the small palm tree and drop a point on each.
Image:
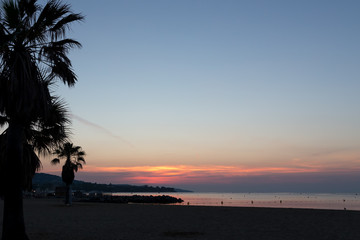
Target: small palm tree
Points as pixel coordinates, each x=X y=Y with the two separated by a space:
x=74 y=161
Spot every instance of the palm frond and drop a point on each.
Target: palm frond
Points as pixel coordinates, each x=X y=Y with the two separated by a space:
x=51 y=12
x=79 y=166
x=64 y=72
x=12 y=16
x=57 y=151
x=52 y=129
x=3 y=120
x=81 y=159
x=55 y=161
x=66 y=44
x=81 y=153
x=59 y=29
x=74 y=149
x=29 y=7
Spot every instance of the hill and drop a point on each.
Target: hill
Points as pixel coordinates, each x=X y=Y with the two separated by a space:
x=44 y=181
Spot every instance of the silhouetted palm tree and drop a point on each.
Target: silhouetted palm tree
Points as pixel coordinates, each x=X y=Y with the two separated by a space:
x=33 y=53
x=74 y=160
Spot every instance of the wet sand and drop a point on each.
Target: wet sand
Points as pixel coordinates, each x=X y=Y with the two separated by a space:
x=50 y=219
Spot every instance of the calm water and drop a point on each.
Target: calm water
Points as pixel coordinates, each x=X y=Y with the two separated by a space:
x=349 y=201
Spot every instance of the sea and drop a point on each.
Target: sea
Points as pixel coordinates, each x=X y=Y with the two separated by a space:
x=334 y=201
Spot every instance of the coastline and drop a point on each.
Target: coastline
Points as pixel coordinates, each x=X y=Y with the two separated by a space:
x=51 y=219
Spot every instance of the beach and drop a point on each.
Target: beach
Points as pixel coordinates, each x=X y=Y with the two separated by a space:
x=50 y=219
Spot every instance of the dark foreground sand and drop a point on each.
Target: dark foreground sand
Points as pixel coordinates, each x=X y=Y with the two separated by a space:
x=50 y=219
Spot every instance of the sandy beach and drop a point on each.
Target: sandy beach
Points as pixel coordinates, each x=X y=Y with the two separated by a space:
x=50 y=219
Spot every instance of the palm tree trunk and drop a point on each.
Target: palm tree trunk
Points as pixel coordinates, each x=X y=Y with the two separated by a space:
x=68 y=195
x=68 y=177
x=13 y=218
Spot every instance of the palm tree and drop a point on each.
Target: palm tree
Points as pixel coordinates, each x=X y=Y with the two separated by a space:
x=33 y=54
x=74 y=160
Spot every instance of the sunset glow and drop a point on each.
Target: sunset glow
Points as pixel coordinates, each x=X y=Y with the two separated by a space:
x=168 y=175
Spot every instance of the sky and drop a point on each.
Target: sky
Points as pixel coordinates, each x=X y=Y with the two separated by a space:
x=217 y=95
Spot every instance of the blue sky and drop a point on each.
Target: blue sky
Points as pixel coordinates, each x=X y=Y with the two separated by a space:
x=243 y=84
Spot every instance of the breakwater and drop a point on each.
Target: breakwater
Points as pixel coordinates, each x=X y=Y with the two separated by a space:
x=158 y=199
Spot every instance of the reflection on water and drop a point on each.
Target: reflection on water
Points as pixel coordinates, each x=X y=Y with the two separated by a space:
x=283 y=200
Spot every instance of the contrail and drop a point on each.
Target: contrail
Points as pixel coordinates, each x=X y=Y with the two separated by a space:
x=104 y=130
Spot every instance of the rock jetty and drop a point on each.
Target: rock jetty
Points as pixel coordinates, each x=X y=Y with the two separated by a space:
x=160 y=199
